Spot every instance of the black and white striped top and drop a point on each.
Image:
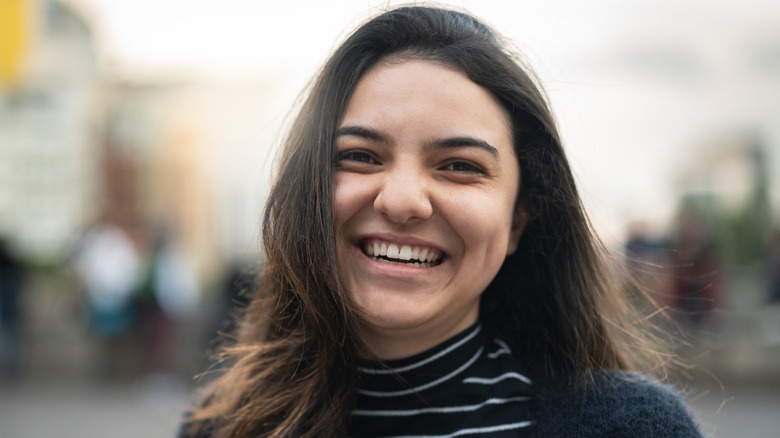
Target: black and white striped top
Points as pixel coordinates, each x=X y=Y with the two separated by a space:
x=470 y=385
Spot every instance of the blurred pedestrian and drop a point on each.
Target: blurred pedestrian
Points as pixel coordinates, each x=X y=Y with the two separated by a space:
x=168 y=292
x=108 y=266
x=769 y=315
x=236 y=292
x=695 y=271
x=642 y=261
x=11 y=275
x=774 y=269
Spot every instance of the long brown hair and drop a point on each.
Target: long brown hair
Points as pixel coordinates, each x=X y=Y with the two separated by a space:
x=292 y=370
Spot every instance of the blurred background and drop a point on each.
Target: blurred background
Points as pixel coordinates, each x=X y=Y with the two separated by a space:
x=137 y=142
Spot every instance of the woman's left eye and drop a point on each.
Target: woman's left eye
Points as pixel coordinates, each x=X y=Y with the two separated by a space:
x=464 y=167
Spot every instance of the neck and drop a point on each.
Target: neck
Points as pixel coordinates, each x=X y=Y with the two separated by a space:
x=399 y=343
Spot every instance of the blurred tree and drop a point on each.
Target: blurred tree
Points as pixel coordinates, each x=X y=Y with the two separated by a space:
x=744 y=234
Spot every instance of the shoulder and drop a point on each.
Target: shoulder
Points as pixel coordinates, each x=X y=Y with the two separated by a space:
x=637 y=405
x=613 y=404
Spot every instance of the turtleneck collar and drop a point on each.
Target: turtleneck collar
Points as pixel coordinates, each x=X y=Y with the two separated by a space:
x=424 y=371
x=469 y=384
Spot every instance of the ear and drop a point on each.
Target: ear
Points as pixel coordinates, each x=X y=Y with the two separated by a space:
x=519 y=220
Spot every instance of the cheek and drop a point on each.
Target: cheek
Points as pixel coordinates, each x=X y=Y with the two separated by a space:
x=486 y=220
x=343 y=200
x=352 y=195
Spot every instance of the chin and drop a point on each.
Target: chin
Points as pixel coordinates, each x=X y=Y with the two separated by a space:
x=405 y=318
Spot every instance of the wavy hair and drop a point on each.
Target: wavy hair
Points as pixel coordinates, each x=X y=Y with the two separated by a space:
x=292 y=369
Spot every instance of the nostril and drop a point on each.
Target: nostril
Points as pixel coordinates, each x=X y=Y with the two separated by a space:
x=403 y=203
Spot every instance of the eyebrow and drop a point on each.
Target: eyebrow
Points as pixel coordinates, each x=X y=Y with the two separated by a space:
x=363 y=132
x=442 y=143
x=459 y=142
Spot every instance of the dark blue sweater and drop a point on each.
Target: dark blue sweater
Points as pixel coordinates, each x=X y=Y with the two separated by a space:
x=613 y=404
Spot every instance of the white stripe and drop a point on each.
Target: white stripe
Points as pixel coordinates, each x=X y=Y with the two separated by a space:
x=498 y=353
x=442 y=410
x=503 y=350
x=486 y=381
x=424 y=361
x=503 y=344
x=474 y=431
x=427 y=385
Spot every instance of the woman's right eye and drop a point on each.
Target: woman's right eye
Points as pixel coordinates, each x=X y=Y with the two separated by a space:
x=356 y=156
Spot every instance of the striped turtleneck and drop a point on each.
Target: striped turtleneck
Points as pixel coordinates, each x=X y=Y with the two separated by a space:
x=470 y=385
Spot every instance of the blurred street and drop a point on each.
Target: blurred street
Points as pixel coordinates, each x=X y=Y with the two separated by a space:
x=150 y=408
x=738 y=410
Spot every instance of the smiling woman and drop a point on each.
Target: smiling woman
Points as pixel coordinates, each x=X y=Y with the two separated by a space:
x=430 y=270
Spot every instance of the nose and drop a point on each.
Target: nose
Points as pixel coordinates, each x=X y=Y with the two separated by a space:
x=404 y=196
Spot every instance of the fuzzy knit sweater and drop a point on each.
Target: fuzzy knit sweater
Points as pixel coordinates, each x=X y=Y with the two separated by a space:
x=614 y=404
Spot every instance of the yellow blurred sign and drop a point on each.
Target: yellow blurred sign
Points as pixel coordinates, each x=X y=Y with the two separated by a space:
x=13 y=39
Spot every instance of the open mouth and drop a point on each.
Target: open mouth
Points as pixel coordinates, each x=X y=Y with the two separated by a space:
x=407 y=255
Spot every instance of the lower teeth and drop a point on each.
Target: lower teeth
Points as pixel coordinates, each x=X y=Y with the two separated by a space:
x=395 y=262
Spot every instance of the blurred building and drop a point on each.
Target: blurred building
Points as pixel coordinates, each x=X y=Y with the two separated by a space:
x=80 y=142
x=48 y=174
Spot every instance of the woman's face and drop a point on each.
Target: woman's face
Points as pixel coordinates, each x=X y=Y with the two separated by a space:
x=424 y=202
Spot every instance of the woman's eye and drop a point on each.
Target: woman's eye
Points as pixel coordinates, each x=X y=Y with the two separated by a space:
x=356 y=156
x=464 y=167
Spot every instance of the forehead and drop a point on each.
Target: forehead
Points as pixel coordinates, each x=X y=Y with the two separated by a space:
x=404 y=93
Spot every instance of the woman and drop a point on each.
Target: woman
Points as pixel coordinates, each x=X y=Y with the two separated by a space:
x=430 y=270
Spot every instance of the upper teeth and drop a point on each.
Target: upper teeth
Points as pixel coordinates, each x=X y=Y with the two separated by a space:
x=377 y=248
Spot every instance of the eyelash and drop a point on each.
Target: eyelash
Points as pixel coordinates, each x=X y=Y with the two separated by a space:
x=356 y=156
x=469 y=167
